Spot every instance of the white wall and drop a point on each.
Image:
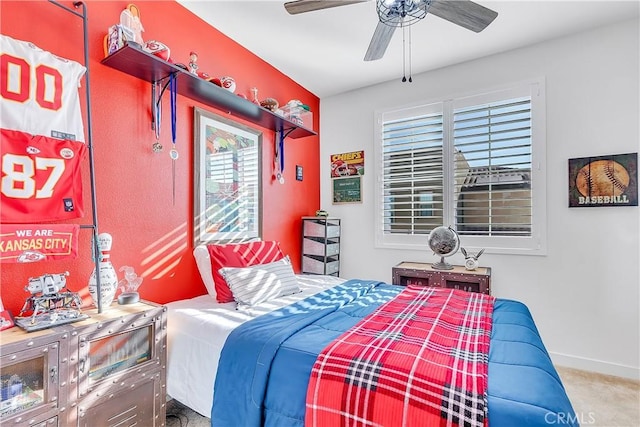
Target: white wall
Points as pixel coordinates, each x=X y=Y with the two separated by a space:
x=585 y=293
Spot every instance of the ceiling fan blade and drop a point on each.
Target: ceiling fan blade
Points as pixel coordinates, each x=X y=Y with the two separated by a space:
x=380 y=40
x=301 y=6
x=465 y=13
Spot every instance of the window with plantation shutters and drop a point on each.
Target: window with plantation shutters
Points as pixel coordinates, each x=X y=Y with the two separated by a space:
x=475 y=163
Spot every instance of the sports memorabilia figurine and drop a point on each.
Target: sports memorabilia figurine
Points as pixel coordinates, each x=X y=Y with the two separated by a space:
x=108 y=275
x=129 y=286
x=51 y=303
x=193 y=63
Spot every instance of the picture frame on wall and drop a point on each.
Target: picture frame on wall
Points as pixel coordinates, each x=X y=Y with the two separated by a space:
x=347 y=190
x=604 y=181
x=227 y=179
x=347 y=164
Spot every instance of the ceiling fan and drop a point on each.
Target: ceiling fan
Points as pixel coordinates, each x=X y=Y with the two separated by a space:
x=401 y=13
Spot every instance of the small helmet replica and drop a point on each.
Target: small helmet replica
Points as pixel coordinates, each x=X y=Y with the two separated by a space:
x=158 y=49
x=228 y=83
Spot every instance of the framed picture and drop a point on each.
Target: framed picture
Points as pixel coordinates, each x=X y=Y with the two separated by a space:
x=347 y=190
x=604 y=181
x=227 y=180
x=347 y=164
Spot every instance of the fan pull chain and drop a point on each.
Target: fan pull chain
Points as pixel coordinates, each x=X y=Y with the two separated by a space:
x=410 y=72
x=406 y=60
x=404 y=54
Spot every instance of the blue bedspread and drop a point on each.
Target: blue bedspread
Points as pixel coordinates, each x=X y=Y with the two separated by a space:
x=265 y=364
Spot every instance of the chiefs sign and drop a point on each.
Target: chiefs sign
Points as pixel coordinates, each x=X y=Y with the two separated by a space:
x=347 y=164
x=31 y=243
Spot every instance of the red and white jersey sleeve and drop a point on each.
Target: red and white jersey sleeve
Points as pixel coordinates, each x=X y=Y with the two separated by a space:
x=39 y=91
x=41 y=178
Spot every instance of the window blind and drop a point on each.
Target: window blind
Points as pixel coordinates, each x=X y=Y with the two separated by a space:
x=412 y=174
x=490 y=180
x=232 y=190
x=492 y=170
x=476 y=163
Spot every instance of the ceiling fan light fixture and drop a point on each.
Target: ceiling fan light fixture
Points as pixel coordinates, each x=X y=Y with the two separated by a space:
x=401 y=13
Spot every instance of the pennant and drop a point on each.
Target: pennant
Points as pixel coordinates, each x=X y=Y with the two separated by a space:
x=21 y=243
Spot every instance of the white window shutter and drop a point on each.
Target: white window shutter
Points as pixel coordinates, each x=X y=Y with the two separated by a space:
x=467 y=163
x=492 y=168
x=412 y=173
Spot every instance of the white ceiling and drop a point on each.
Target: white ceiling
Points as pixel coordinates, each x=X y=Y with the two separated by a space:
x=323 y=50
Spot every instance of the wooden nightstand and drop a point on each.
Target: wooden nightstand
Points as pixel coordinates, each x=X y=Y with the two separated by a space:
x=419 y=273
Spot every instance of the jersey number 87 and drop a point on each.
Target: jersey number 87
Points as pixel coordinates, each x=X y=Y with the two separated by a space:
x=19 y=173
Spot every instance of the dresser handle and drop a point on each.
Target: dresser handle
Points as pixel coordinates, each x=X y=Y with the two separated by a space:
x=53 y=372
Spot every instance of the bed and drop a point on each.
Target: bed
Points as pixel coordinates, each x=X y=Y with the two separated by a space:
x=197 y=329
x=523 y=387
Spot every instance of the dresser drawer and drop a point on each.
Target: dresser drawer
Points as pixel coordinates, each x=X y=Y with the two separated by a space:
x=311 y=264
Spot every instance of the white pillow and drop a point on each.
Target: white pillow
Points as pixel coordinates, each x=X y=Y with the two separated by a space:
x=262 y=282
x=203 y=261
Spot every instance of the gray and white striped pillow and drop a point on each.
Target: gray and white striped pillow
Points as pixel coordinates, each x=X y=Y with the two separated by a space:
x=262 y=282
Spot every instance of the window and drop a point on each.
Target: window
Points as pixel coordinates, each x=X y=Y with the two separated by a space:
x=227 y=179
x=475 y=163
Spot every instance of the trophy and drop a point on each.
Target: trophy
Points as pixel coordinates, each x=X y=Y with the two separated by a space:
x=129 y=286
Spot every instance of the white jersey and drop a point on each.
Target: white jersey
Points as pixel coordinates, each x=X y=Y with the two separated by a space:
x=39 y=91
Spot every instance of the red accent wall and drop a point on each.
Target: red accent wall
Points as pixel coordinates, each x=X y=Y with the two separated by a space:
x=134 y=186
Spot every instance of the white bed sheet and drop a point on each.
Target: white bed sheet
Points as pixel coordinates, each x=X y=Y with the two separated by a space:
x=197 y=329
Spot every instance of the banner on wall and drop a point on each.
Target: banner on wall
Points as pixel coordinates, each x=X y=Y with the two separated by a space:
x=347 y=164
x=21 y=243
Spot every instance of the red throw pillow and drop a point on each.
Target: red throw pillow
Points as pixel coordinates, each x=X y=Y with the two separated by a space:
x=239 y=255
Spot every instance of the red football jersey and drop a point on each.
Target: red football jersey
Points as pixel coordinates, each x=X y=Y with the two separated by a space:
x=41 y=178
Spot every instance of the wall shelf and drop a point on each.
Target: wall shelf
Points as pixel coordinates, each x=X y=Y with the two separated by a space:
x=134 y=61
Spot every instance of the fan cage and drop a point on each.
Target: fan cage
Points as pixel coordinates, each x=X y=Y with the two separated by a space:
x=409 y=11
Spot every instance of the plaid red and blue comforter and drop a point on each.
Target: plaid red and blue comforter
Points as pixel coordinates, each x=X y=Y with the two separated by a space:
x=266 y=364
x=418 y=360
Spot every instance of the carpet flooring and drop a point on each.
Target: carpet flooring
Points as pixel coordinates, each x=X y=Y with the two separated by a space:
x=599 y=401
x=602 y=400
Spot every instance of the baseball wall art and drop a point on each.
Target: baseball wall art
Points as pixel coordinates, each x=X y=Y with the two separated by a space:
x=604 y=181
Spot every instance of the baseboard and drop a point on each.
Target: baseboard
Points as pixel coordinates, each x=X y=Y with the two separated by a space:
x=593 y=365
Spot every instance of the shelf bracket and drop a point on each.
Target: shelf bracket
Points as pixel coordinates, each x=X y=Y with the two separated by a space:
x=286 y=132
x=157 y=91
x=278 y=157
x=154 y=111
